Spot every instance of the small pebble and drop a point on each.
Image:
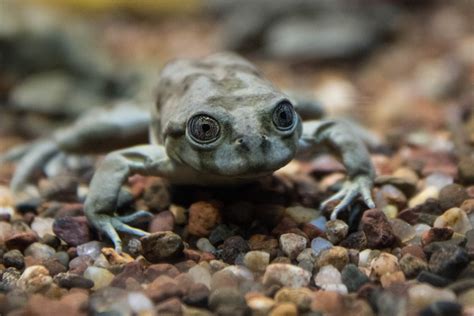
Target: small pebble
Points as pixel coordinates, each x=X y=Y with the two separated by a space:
x=256 y=260
x=336 y=256
x=14 y=258
x=34 y=279
x=383 y=264
x=353 y=278
x=204 y=244
x=320 y=244
x=292 y=244
x=336 y=231
x=73 y=230
x=203 y=217
x=286 y=275
x=39 y=251
x=101 y=277
x=454 y=218
x=302 y=214
x=162 y=245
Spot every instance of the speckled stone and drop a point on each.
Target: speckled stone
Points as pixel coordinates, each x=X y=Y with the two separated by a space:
x=34 y=279
x=353 y=278
x=292 y=244
x=448 y=261
x=377 y=229
x=454 y=218
x=203 y=217
x=336 y=230
x=383 y=264
x=301 y=297
x=412 y=265
x=335 y=256
x=162 y=245
x=286 y=275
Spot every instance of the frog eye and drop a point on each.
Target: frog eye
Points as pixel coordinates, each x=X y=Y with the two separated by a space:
x=284 y=116
x=203 y=128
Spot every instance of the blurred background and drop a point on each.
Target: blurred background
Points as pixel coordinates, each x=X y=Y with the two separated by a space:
x=397 y=66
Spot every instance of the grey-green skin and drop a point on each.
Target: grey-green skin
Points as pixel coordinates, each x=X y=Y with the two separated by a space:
x=249 y=144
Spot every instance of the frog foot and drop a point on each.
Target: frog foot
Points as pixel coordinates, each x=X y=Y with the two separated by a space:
x=110 y=225
x=360 y=186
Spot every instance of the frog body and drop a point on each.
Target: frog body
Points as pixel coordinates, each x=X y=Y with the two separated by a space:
x=216 y=121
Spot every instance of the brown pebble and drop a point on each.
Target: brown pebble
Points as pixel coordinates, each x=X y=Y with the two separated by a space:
x=377 y=228
x=161 y=222
x=203 y=217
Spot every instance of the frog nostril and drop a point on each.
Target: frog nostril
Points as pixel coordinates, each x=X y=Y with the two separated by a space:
x=240 y=141
x=264 y=138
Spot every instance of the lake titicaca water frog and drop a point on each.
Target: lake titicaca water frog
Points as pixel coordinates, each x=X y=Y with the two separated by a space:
x=216 y=121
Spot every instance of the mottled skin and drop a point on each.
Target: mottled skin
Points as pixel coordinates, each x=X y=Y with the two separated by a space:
x=226 y=99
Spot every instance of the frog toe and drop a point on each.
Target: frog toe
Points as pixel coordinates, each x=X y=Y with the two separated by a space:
x=127 y=219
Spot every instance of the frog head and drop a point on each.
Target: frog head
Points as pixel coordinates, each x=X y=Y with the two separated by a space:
x=255 y=137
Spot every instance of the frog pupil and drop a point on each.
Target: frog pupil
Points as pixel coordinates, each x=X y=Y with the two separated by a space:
x=206 y=128
x=283 y=116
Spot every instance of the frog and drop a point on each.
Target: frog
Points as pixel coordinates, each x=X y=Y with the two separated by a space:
x=217 y=121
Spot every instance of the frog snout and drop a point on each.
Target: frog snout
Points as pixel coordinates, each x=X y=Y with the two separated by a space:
x=248 y=143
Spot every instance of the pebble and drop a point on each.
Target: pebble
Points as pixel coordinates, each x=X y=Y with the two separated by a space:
x=221 y=232
x=140 y=304
x=390 y=279
x=300 y=297
x=336 y=230
x=329 y=278
x=109 y=301
x=155 y=270
x=430 y=192
x=422 y=295
x=383 y=264
x=257 y=260
x=204 y=244
x=161 y=246
x=466 y=170
x=39 y=251
x=196 y=295
x=292 y=244
x=353 y=278
x=10 y=278
x=69 y=280
x=73 y=230
x=92 y=249
x=284 y=309
x=157 y=194
x=115 y=258
x=452 y=195
x=179 y=214
x=201 y=275
x=442 y=308
x=412 y=265
x=335 y=256
x=320 y=223
x=286 y=275
x=438 y=180
x=21 y=240
x=356 y=240
x=42 y=226
x=467 y=298
x=377 y=229
x=227 y=301
x=319 y=244
x=436 y=234
x=301 y=214
x=14 y=258
x=161 y=222
x=391 y=195
x=259 y=304
x=402 y=230
x=59 y=188
x=34 y=279
x=203 y=217
x=232 y=248
x=448 y=261
x=454 y=218
x=433 y=279
x=100 y=276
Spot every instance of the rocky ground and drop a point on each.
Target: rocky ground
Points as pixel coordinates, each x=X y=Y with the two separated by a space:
x=265 y=248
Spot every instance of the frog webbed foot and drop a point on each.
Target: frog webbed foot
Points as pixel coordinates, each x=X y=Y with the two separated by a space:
x=352 y=189
x=110 y=225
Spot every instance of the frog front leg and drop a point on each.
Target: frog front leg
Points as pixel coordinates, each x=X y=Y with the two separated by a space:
x=113 y=172
x=338 y=138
